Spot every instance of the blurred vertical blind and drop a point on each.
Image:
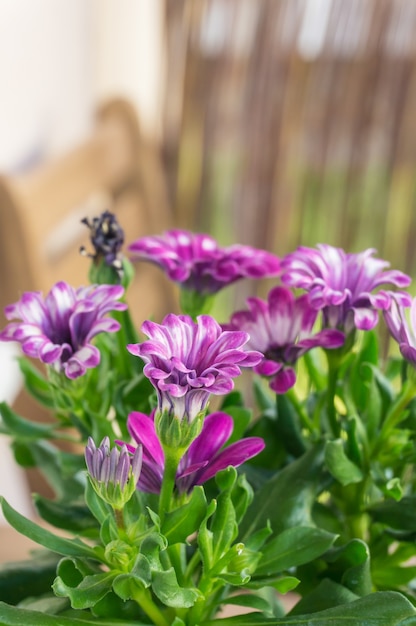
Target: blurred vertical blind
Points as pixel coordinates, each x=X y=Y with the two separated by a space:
x=292 y=122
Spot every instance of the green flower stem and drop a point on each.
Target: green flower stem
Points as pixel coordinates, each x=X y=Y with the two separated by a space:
x=118 y=513
x=304 y=417
x=193 y=563
x=172 y=458
x=123 y=338
x=395 y=414
x=334 y=361
x=177 y=559
x=144 y=600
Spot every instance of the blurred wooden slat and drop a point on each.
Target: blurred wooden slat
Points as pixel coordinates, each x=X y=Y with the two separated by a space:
x=295 y=127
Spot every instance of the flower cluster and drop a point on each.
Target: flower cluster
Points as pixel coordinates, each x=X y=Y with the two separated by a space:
x=184 y=506
x=58 y=329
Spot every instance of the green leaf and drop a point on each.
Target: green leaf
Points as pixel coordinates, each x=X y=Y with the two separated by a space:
x=166 y=588
x=241 y=418
x=51 y=462
x=36 y=384
x=361 y=375
x=126 y=585
x=350 y=563
x=398 y=515
x=75 y=516
x=22 y=428
x=67 y=547
x=339 y=465
x=32 y=577
x=288 y=427
x=282 y=584
x=185 y=520
x=13 y=616
x=326 y=595
x=287 y=498
x=264 y=398
x=387 y=608
x=100 y=509
x=251 y=601
x=90 y=590
x=293 y=547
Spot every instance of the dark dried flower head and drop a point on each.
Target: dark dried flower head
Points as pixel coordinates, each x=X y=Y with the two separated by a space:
x=107 y=237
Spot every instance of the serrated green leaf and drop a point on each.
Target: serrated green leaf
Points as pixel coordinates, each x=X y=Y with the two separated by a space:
x=293 y=547
x=339 y=465
x=90 y=590
x=166 y=588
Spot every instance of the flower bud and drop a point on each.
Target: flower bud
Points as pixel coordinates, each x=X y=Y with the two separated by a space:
x=113 y=473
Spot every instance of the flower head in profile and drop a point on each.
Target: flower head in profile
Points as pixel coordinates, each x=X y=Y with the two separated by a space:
x=107 y=238
x=203 y=459
x=114 y=473
x=58 y=329
x=342 y=284
x=187 y=361
x=400 y=328
x=281 y=329
x=199 y=264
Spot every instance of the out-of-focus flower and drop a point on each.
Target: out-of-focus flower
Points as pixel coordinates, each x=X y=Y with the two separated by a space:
x=107 y=237
x=114 y=473
x=199 y=264
x=203 y=459
x=400 y=329
x=281 y=329
x=342 y=284
x=186 y=361
x=58 y=329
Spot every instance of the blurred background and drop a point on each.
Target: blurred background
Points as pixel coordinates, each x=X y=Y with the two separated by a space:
x=272 y=123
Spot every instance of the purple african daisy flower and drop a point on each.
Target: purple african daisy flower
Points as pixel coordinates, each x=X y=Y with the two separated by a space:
x=341 y=284
x=281 y=328
x=399 y=328
x=199 y=264
x=58 y=329
x=186 y=361
x=114 y=473
x=203 y=459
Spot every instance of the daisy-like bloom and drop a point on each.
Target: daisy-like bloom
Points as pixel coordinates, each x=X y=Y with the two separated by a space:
x=113 y=473
x=399 y=327
x=203 y=459
x=58 y=329
x=199 y=264
x=342 y=284
x=281 y=329
x=187 y=361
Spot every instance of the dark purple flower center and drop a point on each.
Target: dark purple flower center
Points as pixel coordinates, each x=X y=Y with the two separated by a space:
x=276 y=353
